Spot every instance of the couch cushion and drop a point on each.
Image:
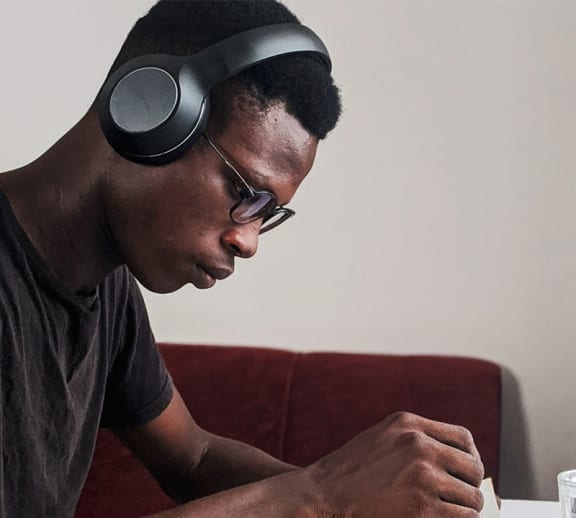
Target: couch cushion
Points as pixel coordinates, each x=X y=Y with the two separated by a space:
x=353 y=392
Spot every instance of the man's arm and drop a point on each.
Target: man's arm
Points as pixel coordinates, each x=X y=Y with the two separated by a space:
x=189 y=462
x=404 y=467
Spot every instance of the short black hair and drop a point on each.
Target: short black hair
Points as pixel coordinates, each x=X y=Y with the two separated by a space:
x=184 y=27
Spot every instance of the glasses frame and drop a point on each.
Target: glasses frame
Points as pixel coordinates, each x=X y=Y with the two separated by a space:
x=284 y=212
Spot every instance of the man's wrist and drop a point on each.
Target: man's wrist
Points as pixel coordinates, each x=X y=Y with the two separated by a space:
x=317 y=502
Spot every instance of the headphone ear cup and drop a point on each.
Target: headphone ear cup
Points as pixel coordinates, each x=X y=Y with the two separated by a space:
x=143 y=100
x=151 y=110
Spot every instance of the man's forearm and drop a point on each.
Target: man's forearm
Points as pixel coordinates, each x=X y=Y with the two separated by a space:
x=286 y=495
x=191 y=463
x=227 y=463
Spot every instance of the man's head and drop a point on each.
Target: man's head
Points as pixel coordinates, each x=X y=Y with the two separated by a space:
x=173 y=223
x=185 y=27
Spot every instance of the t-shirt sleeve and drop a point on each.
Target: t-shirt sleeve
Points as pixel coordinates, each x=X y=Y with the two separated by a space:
x=138 y=387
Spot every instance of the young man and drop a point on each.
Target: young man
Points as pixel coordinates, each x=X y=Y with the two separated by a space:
x=81 y=222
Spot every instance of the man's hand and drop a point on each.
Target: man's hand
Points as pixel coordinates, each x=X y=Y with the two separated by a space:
x=404 y=467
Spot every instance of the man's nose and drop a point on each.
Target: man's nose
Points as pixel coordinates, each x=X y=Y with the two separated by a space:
x=242 y=240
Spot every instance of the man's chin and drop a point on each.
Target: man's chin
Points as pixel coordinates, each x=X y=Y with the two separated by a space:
x=161 y=289
x=161 y=286
x=200 y=279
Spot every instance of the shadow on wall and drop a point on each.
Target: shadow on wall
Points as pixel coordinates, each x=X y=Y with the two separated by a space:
x=516 y=467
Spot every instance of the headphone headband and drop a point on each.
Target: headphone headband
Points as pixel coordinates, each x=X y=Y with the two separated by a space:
x=154 y=107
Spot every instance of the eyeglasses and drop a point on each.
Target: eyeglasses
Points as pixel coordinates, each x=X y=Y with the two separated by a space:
x=253 y=204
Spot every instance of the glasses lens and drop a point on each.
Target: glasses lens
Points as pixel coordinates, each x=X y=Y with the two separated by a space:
x=258 y=206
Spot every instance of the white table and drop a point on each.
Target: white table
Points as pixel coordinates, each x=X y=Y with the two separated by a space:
x=529 y=509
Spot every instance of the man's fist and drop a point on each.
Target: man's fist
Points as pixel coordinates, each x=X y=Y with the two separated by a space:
x=406 y=466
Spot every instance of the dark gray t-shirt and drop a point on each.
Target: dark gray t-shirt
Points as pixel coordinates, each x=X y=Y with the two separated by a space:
x=68 y=364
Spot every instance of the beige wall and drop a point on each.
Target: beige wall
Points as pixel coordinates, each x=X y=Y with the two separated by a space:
x=440 y=217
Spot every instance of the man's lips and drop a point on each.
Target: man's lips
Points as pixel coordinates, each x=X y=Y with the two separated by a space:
x=218 y=273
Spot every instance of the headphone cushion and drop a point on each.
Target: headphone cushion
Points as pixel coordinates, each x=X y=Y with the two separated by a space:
x=143 y=100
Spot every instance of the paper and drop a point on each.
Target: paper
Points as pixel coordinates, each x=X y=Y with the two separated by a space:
x=490 y=509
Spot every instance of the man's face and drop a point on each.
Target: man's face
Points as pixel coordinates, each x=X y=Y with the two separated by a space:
x=173 y=226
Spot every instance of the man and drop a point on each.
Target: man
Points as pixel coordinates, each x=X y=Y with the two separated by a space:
x=81 y=222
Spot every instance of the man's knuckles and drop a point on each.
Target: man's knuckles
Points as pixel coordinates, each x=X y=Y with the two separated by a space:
x=464 y=439
x=415 y=443
x=422 y=476
x=404 y=420
x=463 y=495
x=477 y=500
x=422 y=504
x=412 y=440
x=479 y=473
x=456 y=434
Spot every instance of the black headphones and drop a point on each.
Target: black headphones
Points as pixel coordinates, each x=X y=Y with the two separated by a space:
x=154 y=107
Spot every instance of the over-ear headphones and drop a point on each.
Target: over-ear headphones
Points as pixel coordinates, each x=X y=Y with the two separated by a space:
x=154 y=107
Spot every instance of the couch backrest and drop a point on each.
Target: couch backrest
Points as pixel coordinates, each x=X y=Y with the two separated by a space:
x=298 y=407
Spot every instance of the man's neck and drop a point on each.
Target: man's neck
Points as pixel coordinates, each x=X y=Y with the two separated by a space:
x=56 y=199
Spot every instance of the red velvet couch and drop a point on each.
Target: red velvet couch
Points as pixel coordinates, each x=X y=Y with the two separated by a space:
x=298 y=407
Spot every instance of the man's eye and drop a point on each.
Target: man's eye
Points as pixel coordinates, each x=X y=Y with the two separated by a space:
x=238 y=190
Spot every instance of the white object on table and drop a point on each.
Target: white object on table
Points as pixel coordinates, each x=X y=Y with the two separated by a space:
x=529 y=509
x=490 y=509
x=515 y=508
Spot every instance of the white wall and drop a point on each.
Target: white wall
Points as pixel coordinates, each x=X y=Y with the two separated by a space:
x=441 y=214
